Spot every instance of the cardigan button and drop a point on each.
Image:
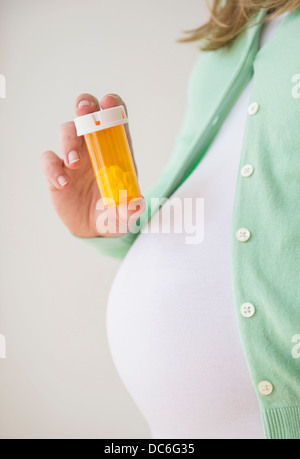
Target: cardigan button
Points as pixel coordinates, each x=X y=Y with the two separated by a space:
x=253 y=108
x=265 y=388
x=243 y=235
x=247 y=310
x=247 y=170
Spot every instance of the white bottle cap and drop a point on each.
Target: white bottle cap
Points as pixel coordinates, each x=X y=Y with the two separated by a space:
x=98 y=121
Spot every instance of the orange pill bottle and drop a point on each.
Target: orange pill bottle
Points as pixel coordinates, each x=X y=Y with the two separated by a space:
x=110 y=155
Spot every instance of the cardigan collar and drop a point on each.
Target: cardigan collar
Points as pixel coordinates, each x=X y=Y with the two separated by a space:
x=232 y=68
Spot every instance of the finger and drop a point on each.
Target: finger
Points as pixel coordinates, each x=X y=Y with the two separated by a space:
x=52 y=166
x=113 y=100
x=71 y=145
x=85 y=104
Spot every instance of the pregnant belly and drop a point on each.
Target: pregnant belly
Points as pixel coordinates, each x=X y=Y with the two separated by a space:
x=173 y=338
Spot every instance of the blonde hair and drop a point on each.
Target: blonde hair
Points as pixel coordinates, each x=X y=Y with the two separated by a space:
x=230 y=17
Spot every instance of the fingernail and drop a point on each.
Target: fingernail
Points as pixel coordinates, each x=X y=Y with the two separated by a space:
x=73 y=157
x=84 y=103
x=114 y=96
x=62 y=180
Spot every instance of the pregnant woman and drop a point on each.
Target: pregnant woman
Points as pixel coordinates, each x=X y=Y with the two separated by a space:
x=203 y=335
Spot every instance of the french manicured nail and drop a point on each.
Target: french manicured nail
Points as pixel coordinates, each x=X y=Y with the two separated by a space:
x=62 y=180
x=84 y=103
x=73 y=157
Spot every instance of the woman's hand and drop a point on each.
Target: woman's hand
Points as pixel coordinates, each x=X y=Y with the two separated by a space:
x=71 y=181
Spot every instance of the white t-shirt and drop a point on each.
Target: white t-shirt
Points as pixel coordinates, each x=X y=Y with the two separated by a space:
x=171 y=322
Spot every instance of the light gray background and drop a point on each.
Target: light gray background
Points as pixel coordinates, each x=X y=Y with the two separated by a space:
x=58 y=380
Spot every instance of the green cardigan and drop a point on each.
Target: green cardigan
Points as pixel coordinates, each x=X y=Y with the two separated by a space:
x=265 y=258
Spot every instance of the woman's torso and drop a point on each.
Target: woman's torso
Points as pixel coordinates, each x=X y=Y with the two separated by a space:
x=171 y=322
